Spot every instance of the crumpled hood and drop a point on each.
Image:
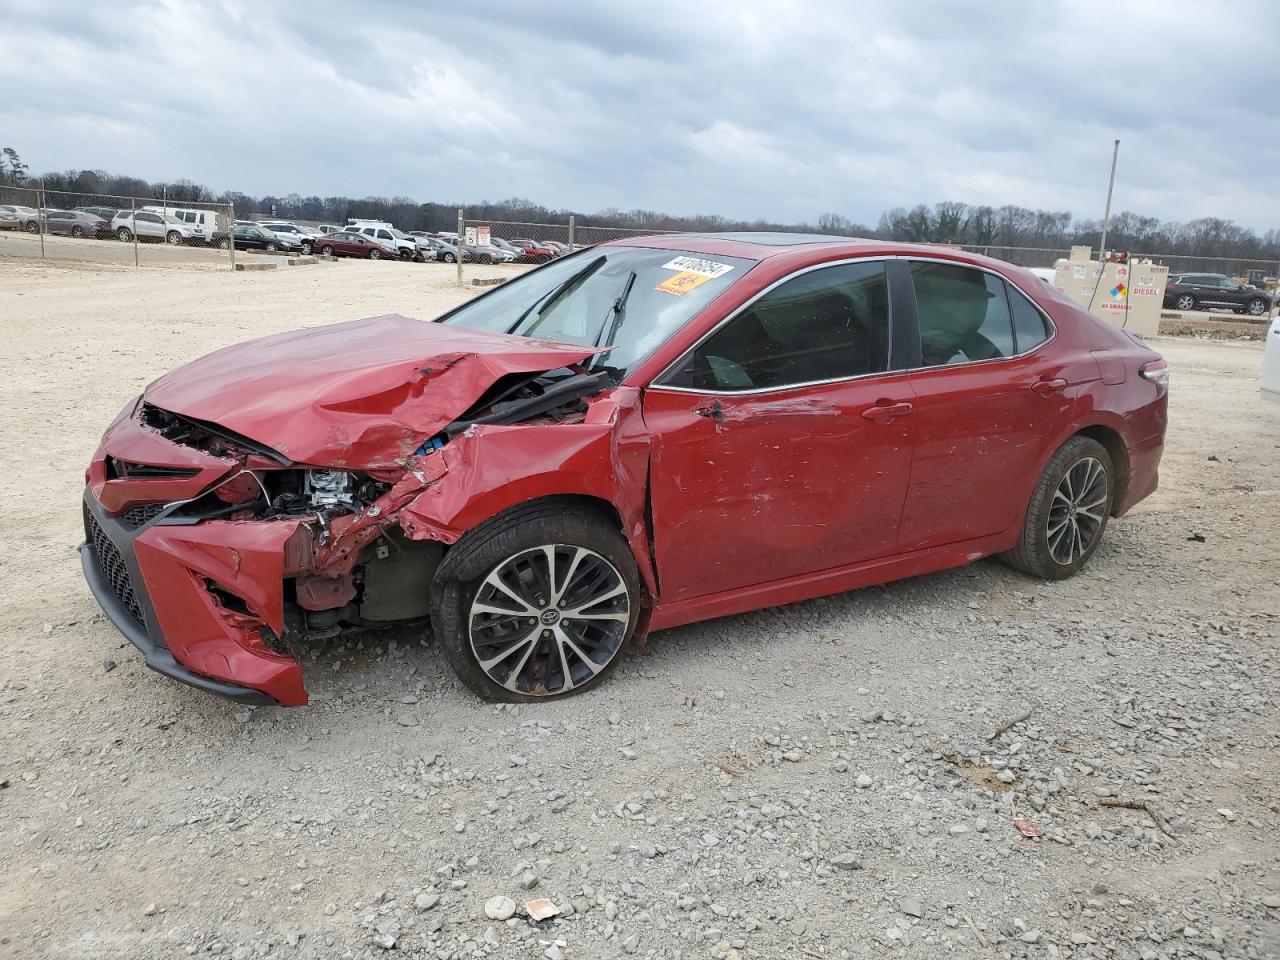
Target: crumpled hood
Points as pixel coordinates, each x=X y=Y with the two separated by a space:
x=363 y=394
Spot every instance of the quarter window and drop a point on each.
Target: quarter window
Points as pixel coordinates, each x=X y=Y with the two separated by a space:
x=1029 y=326
x=828 y=324
x=963 y=314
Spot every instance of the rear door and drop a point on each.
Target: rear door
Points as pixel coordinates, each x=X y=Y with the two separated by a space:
x=781 y=444
x=991 y=400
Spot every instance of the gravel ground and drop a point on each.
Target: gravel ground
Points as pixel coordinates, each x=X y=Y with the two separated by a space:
x=819 y=780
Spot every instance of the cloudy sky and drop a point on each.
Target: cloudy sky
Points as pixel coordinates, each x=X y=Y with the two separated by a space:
x=783 y=110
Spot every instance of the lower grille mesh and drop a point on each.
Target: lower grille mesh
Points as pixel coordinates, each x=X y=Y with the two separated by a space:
x=142 y=513
x=111 y=564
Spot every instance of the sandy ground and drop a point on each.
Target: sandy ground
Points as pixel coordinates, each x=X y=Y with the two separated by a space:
x=813 y=781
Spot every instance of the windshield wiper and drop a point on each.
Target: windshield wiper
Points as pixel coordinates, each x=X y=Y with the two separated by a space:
x=552 y=298
x=616 y=313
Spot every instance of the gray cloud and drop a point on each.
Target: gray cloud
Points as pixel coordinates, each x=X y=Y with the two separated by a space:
x=778 y=109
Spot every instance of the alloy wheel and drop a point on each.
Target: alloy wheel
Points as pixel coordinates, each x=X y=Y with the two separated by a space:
x=1076 y=515
x=1185 y=302
x=1257 y=307
x=547 y=620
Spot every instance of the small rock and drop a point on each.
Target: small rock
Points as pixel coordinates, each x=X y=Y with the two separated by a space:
x=1271 y=900
x=330 y=909
x=499 y=908
x=528 y=880
x=385 y=940
x=863 y=781
x=912 y=908
x=108 y=665
x=423 y=901
x=846 y=862
x=1031 y=936
x=151 y=910
x=956 y=829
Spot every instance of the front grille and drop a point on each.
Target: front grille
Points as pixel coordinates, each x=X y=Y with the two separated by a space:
x=111 y=564
x=141 y=514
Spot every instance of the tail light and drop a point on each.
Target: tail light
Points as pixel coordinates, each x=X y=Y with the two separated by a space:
x=1157 y=371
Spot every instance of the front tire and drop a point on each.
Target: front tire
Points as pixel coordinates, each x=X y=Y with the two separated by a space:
x=537 y=603
x=78 y=232
x=1068 y=511
x=1185 y=301
x=327 y=250
x=123 y=235
x=374 y=255
x=173 y=238
x=450 y=258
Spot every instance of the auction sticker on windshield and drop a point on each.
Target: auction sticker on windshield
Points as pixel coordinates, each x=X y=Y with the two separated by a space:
x=705 y=268
x=683 y=282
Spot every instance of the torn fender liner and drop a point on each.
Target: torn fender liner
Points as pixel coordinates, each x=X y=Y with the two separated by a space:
x=361 y=394
x=214 y=587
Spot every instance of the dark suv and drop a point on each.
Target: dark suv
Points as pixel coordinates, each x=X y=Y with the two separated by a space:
x=1204 y=291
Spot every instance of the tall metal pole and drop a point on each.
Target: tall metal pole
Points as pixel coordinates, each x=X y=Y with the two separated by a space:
x=133 y=227
x=460 y=246
x=1106 y=216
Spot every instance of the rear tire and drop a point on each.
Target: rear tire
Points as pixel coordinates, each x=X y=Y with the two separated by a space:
x=78 y=232
x=123 y=235
x=224 y=244
x=308 y=248
x=1185 y=301
x=595 y=575
x=32 y=227
x=173 y=238
x=1068 y=512
x=1257 y=307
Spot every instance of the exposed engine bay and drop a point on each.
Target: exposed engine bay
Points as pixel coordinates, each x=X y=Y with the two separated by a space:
x=348 y=562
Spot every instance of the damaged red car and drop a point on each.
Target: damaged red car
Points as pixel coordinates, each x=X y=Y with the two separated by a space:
x=643 y=434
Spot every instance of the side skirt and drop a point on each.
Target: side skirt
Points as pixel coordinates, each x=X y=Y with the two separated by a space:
x=810 y=585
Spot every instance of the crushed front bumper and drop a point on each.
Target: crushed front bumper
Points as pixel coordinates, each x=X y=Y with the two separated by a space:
x=153 y=580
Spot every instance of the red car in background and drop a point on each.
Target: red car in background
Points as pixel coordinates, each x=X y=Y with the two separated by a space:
x=643 y=434
x=535 y=252
x=344 y=243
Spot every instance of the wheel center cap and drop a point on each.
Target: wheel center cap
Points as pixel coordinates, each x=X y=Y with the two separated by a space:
x=550 y=617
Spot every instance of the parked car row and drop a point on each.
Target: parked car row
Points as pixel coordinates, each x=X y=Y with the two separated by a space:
x=369 y=239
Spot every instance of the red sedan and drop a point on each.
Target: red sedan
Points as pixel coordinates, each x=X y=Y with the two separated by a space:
x=642 y=434
x=535 y=252
x=344 y=243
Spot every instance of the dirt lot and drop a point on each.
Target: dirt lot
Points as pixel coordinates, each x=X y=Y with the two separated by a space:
x=813 y=781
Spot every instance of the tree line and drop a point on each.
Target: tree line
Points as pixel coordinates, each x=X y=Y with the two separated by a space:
x=947 y=222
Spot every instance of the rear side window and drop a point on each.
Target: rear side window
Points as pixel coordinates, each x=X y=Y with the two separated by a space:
x=827 y=324
x=964 y=314
x=1030 y=329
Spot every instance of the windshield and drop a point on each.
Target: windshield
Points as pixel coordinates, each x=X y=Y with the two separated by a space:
x=580 y=298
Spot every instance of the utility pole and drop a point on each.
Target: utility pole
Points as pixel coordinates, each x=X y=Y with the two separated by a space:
x=1106 y=216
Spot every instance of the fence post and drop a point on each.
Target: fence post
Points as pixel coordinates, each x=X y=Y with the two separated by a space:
x=231 y=233
x=133 y=227
x=571 y=231
x=40 y=198
x=461 y=245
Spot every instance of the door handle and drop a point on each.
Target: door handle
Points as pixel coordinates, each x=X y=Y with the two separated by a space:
x=887 y=411
x=1047 y=388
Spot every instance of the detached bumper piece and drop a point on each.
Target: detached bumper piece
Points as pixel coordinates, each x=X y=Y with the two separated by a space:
x=167 y=588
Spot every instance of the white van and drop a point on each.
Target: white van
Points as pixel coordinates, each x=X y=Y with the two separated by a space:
x=204 y=223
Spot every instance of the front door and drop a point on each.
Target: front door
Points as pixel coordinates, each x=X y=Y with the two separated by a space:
x=781 y=444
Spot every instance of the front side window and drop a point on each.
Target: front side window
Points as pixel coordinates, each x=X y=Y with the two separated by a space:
x=826 y=324
x=963 y=314
x=630 y=298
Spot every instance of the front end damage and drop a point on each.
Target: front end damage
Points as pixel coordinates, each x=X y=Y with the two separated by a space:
x=222 y=558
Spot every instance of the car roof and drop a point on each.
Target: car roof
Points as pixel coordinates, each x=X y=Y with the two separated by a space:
x=805 y=247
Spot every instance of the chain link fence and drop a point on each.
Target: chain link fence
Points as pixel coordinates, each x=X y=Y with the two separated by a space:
x=100 y=228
